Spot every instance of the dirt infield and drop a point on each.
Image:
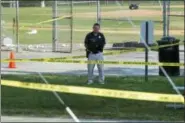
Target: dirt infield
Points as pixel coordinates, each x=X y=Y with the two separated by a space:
x=123 y=13
x=172 y=6
x=118 y=13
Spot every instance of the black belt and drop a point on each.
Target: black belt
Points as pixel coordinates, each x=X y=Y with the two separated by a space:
x=95 y=52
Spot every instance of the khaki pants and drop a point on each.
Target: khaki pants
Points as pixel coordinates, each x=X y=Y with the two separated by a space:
x=98 y=56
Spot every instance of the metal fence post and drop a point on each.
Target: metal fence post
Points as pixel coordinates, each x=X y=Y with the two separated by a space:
x=98 y=11
x=1 y=25
x=71 y=48
x=146 y=52
x=166 y=21
x=168 y=17
x=54 y=30
x=164 y=18
x=0 y=34
x=17 y=25
x=184 y=48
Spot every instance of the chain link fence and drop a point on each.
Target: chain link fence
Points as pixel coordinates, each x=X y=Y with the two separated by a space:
x=39 y=25
x=8 y=11
x=61 y=26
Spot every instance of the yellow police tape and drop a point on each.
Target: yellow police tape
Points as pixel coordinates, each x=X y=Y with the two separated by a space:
x=59 y=18
x=97 y=91
x=69 y=57
x=47 y=21
x=129 y=50
x=116 y=52
x=153 y=47
x=166 y=45
x=97 y=62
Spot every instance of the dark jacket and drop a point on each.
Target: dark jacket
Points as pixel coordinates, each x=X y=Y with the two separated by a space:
x=94 y=43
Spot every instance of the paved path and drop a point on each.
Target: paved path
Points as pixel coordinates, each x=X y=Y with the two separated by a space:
x=81 y=69
x=58 y=119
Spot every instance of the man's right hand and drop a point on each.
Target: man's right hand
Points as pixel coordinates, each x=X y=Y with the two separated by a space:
x=87 y=53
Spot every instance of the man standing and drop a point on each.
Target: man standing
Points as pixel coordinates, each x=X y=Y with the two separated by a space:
x=94 y=44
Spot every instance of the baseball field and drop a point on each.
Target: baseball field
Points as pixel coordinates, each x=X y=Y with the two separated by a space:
x=114 y=22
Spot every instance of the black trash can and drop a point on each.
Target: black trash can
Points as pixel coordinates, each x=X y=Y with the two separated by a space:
x=169 y=54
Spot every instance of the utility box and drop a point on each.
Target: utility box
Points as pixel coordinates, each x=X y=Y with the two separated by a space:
x=169 y=54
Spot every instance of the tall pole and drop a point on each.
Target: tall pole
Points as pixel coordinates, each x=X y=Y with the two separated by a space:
x=17 y=25
x=98 y=12
x=71 y=48
x=54 y=31
x=0 y=38
x=1 y=25
x=168 y=17
x=146 y=51
x=184 y=47
x=164 y=19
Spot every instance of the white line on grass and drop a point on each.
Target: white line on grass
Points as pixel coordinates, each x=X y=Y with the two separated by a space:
x=61 y=101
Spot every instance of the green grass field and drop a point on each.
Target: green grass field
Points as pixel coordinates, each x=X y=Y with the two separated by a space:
x=17 y=101
x=32 y=15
